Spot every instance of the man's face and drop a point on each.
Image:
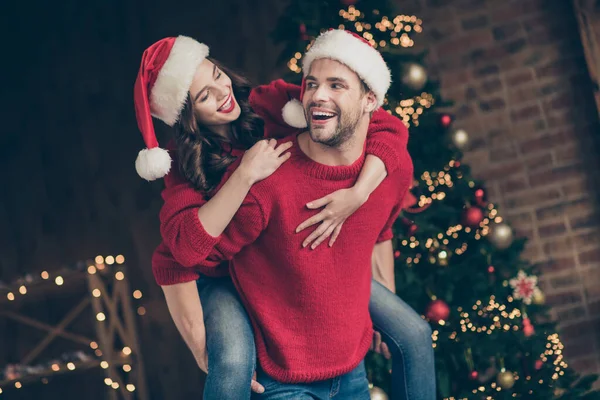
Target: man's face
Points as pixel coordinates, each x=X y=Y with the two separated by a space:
x=334 y=102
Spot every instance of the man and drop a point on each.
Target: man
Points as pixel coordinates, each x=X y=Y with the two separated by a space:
x=309 y=308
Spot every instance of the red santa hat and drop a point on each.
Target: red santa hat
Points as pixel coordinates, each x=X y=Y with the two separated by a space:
x=353 y=51
x=161 y=89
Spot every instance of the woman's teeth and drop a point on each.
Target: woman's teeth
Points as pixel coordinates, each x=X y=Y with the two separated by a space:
x=226 y=105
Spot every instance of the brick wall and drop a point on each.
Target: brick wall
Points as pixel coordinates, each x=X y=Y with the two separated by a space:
x=517 y=72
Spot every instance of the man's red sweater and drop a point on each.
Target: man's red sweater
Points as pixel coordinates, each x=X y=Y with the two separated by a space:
x=309 y=308
x=173 y=260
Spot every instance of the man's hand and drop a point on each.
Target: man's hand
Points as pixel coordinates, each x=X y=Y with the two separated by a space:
x=255 y=386
x=379 y=347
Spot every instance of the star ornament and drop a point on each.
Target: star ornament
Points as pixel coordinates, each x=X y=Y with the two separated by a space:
x=524 y=286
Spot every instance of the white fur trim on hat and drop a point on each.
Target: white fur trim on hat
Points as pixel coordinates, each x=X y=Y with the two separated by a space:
x=293 y=114
x=152 y=164
x=359 y=56
x=169 y=93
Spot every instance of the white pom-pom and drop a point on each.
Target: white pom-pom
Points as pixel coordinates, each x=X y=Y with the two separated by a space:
x=152 y=164
x=293 y=114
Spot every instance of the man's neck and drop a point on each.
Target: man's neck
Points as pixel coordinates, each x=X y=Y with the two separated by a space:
x=345 y=154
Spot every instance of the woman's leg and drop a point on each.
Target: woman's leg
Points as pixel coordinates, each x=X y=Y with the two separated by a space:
x=229 y=341
x=408 y=338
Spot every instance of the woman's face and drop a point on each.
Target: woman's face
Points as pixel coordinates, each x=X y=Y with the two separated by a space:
x=212 y=96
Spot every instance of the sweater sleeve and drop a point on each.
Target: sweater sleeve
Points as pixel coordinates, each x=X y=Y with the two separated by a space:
x=404 y=178
x=245 y=227
x=167 y=271
x=387 y=139
x=180 y=227
x=268 y=101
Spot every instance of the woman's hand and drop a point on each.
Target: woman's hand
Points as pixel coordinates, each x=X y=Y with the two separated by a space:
x=339 y=205
x=201 y=357
x=262 y=159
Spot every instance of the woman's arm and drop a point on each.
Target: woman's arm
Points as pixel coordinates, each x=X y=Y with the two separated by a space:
x=190 y=225
x=185 y=308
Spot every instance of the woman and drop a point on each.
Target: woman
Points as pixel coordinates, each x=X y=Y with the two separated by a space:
x=209 y=109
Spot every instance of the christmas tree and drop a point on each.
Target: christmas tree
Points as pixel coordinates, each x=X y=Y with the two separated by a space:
x=457 y=262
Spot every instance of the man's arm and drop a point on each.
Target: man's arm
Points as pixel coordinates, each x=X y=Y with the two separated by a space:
x=382 y=262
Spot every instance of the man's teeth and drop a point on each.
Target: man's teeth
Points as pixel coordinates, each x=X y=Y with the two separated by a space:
x=322 y=114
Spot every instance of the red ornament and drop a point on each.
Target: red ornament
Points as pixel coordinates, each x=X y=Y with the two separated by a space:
x=491 y=269
x=472 y=217
x=480 y=197
x=474 y=375
x=348 y=2
x=446 y=120
x=539 y=364
x=528 y=329
x=396 y=253
x=412 y=229
x=437 y=311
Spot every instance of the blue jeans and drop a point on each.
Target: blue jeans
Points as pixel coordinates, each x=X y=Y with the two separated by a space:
x=351 y=386
x=229 y=341
x=232 y=355
x=408 y=338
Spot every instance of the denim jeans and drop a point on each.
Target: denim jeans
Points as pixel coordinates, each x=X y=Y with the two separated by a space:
x=229 y=341
x=351 y=386
x=232 y=355
x=408 y=337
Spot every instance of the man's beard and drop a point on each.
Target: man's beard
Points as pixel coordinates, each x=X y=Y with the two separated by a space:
x=344 y=130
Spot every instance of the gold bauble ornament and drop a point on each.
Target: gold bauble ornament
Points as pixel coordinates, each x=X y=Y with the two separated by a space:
x=538 y=297
x=378 y=394
x=505 y=379
x=501 y=236
x=414 y=76
x=460 y=138
x=442 y=257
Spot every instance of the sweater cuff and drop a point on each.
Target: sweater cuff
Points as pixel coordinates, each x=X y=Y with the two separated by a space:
x=385 y=152
x=172 y=276
x=201 y=242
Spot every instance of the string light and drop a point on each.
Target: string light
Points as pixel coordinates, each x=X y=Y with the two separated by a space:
x=120 y=259
x=10 y=296
x=100 y=316
x=141 y=310
x=96 y=293
x=127 y=368
x=126 y=350
x=94 y=345
x=55 y=367
x=115 y=385
x=104 y=365
x=119 y=276
x=110 y=260
x=71 y=366
x=108 y=381
x=137 y=294
x=91 y=270
x=59 y=280
x=18 y=385
x=131 y=387
x=45 y=275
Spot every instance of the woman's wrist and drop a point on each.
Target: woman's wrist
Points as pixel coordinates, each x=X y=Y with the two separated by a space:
x=360 y=193
x=243 y=177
